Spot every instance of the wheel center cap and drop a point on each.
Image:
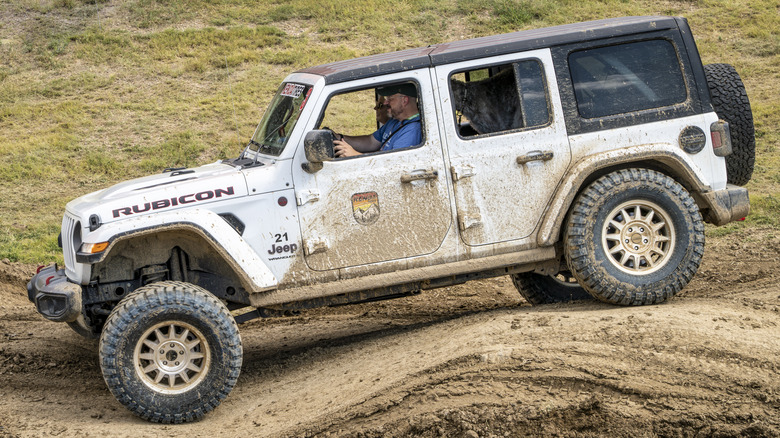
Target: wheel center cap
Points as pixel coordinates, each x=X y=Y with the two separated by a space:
x=171 y=356
x=636 y=237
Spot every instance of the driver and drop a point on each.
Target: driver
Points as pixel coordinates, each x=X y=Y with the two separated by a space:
x=401 y=131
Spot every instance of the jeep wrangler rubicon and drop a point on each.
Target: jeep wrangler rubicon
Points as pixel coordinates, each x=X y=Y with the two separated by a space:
x=582 y=160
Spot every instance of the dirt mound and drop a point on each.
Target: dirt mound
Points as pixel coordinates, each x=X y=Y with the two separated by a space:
x=472 y=360
x=14 y=275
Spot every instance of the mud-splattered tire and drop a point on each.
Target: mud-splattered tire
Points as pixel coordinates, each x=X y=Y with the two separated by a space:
x=548 y=289
x=634 y=237
x=170 y=352
x=731 y=103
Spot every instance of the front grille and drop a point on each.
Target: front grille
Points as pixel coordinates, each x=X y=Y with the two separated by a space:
x=69 y=227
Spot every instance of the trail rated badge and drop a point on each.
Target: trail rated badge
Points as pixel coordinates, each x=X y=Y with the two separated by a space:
x=365 y=207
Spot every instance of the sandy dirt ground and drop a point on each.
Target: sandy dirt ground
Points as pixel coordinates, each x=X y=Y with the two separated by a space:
x=472 y=360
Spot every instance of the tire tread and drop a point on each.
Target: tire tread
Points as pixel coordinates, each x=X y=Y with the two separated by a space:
x=594 y=278
x=159 y=295
x=731 y=103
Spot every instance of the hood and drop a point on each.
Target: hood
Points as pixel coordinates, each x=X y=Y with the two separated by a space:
x=170 y=190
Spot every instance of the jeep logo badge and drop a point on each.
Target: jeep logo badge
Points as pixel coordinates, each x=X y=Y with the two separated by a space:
x=365 y=207
x=692 y=139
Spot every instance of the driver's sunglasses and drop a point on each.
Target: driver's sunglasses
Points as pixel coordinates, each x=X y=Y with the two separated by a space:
x=380 y=106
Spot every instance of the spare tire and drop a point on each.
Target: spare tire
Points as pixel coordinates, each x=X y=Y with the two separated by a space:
x=730 y=101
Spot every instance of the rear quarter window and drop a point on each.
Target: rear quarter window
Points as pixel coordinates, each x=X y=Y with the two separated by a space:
x=626 y=78
x=500 y=98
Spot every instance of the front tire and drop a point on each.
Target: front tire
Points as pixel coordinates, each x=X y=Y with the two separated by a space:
x=634 y=237
x=170 y=352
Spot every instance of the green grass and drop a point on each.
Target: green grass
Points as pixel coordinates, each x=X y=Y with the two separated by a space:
x=93 y=92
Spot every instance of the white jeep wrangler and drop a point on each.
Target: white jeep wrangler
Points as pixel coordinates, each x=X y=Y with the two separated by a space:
x=582 y=160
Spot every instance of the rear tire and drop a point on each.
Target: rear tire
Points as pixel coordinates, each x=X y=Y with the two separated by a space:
x=731 y=103
x=170 y=352
x=548 y=289
x=634 y=237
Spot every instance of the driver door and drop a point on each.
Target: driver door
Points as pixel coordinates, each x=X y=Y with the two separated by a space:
x=375 y=207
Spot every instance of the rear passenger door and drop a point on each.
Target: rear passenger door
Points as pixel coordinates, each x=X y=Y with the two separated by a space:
x=507 y=143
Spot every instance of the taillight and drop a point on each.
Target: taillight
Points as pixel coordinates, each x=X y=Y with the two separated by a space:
x=716 y=143
x=721 y=138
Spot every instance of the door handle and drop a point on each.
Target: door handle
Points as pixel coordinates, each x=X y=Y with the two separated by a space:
x=535 y=156
x=418 y=175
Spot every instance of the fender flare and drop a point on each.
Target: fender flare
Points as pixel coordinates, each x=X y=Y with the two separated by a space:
x=671 y=157
x=214 y=230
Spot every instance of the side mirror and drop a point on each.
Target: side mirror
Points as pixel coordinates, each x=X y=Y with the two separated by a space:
x=318 y=145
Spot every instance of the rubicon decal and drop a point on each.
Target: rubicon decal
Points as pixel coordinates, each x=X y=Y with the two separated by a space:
x=172 y=202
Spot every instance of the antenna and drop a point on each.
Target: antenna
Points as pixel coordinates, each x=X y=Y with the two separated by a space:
x=232 y=102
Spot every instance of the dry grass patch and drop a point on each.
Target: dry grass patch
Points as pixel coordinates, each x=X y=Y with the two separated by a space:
x=94 y=92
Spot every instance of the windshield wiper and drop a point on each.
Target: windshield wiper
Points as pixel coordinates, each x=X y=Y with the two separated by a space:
x=253 y=142
x=260 y=147
x=246 y=149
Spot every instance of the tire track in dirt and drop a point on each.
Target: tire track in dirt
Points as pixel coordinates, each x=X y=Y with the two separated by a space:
x=629 y=362
x=628 y=358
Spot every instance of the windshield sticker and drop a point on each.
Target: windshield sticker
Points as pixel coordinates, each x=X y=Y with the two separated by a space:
x=305 y=99
x=293 y=90
x=365 y=207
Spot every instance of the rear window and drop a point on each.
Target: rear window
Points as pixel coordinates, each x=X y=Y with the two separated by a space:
x=500 y=98
x=626 y=78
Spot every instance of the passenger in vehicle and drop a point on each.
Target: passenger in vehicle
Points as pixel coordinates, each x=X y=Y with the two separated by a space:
x=401 y=131
x=382 y=112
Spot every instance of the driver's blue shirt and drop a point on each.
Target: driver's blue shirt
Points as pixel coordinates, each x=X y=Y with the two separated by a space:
x=409 y=133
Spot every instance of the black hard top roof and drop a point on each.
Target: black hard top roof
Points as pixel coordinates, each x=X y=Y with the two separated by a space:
x=447 y=53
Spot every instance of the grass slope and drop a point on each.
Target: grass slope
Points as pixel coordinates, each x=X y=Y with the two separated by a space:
x=94 y=91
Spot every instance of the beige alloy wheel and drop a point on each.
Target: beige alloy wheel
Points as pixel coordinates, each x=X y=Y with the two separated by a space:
x=172 y=357
x=638 y=237
x=170 y=352
x=634 y=237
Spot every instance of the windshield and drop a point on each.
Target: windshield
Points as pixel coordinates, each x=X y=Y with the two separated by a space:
x=279 y=120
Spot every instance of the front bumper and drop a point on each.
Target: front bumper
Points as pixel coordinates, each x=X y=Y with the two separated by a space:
x=727 y=205
x=55 y=297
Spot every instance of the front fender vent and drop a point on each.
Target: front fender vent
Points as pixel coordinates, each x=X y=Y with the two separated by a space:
x=234 y=222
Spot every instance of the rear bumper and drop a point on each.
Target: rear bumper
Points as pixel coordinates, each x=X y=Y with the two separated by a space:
x=54 y=296
x=727 y=205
